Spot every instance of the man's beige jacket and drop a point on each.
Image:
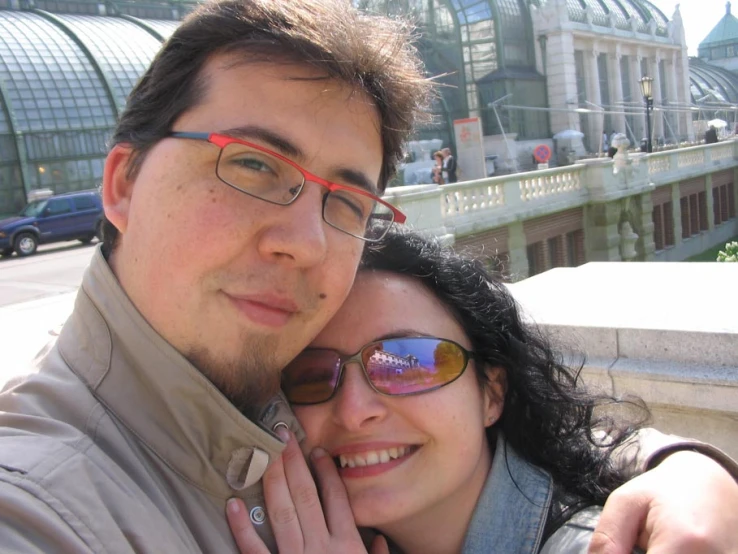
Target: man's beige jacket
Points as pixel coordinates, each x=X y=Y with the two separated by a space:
x=116 y=443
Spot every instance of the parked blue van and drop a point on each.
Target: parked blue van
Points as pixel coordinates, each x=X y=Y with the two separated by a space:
x=71 y=216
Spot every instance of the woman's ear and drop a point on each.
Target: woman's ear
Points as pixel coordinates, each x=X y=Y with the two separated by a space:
x=494 y=394
x=117 y=186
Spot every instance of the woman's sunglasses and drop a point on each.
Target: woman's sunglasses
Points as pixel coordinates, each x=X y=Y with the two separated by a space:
x=394 y=367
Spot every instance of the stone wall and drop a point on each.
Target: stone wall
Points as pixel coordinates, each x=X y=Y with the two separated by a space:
x=667 y=333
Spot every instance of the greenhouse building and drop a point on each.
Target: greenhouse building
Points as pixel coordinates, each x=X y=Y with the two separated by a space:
x=526 y=69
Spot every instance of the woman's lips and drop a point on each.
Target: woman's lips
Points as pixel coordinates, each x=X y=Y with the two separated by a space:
x=373 y=462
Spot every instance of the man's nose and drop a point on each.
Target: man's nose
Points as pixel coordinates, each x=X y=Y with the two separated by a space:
x=296 y=233
x=356 y=403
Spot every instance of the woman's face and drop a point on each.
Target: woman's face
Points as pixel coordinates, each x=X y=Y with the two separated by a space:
x=439 y=436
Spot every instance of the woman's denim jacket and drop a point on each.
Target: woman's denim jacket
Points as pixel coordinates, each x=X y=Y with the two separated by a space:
x=511 y=514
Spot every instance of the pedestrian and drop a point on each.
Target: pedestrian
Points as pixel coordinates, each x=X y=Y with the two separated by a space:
x=437 y=171
x=449 y=166
x=711 y=135
x=243 y=180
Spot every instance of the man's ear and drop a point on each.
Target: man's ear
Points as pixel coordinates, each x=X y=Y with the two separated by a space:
x=494 y=394
x=118 y=186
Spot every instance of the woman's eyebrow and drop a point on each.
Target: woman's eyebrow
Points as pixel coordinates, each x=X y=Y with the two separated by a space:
x=402 y=333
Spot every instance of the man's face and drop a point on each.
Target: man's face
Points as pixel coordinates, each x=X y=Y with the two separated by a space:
x=238 y=285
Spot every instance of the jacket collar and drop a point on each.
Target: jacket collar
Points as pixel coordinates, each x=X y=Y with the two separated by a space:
x=511 y=512
x=159 y=396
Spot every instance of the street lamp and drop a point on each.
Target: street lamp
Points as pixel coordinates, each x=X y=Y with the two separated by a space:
x=646 y=89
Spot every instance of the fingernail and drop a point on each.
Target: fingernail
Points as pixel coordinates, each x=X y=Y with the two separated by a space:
x=283 y=433
x=233 y=506
x=318 y=453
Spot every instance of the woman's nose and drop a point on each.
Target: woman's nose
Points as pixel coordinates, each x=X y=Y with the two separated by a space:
x=357 y=403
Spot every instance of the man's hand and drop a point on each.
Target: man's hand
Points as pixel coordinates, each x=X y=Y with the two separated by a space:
x=301 y=524
x=688 y=504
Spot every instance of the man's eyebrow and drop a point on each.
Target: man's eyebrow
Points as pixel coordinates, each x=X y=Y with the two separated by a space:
x=355 y=178
x=278 y=142
x=289 y=149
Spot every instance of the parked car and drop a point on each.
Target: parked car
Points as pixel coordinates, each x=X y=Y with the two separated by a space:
x=71 y=216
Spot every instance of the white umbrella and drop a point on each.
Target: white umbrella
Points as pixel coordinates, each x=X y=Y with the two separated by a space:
x=568 y=134
x=717 y=123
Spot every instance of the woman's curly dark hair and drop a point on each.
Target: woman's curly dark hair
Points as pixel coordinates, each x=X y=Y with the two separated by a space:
x=549 y=417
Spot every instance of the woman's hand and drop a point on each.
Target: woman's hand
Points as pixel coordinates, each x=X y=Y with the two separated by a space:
x=688 y=504
x=301 y=524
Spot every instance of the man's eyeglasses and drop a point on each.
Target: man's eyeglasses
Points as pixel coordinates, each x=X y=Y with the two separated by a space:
x=269 y=176
x=393 y=367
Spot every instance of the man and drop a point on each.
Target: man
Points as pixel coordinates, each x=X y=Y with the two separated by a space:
x=239 y=190
x=449 y=166
x=711 y=135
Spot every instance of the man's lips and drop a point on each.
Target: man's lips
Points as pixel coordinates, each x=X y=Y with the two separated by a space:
x=265 y=309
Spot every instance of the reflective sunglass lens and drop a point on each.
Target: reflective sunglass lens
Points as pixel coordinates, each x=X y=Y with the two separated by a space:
x=311 y=377
x=413 y=365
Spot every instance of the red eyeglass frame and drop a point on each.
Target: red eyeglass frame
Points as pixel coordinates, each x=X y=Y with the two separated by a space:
x=222 y=141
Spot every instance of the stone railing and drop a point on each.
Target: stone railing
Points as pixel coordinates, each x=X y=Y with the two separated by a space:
x=473 y=206
x=690 y=157
x=658 y=163
x=684 y=163
x=547 y=185
x=722 y=152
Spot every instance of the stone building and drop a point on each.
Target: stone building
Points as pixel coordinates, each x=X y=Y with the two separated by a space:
x=527 y=69
x=720 y=47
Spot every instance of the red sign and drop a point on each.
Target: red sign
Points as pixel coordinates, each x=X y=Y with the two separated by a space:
x=542 y=153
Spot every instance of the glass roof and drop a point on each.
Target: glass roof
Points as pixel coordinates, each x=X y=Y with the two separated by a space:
x=4 y=123
x=715 y=82
x=489 y=34
x=163 y=27
x=50 y=82
x=122 y=49
x=622 y=11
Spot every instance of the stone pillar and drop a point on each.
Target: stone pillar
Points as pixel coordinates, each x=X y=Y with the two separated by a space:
x=602 y=242
x=676 y=211
x=671 y=76
x=682 y=72
x=635 y=92
x=594 y=120
x=561 y=81
x=657 y=118
x=518 y=251
x=710 y=203
x=645 y=245
x=616 y=91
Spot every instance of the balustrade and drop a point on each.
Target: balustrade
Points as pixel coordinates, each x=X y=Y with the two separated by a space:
x=659 y=163
x=721 y=152
x=690 y=157
x=534 y=187
x=475 y=197
x=489 y=203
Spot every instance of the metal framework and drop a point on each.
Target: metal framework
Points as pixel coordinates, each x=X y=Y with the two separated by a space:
x=64 y=78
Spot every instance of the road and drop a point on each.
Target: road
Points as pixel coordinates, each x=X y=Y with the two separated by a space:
x=36 y=296
x=53 y=270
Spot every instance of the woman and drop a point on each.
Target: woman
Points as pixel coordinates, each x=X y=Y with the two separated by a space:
x=437 y=171
x=454 y=425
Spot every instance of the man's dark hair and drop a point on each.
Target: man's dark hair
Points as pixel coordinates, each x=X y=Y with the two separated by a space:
x=372 y=54
x=549 y=417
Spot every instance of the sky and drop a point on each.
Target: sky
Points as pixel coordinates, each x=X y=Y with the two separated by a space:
x=699 y=17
